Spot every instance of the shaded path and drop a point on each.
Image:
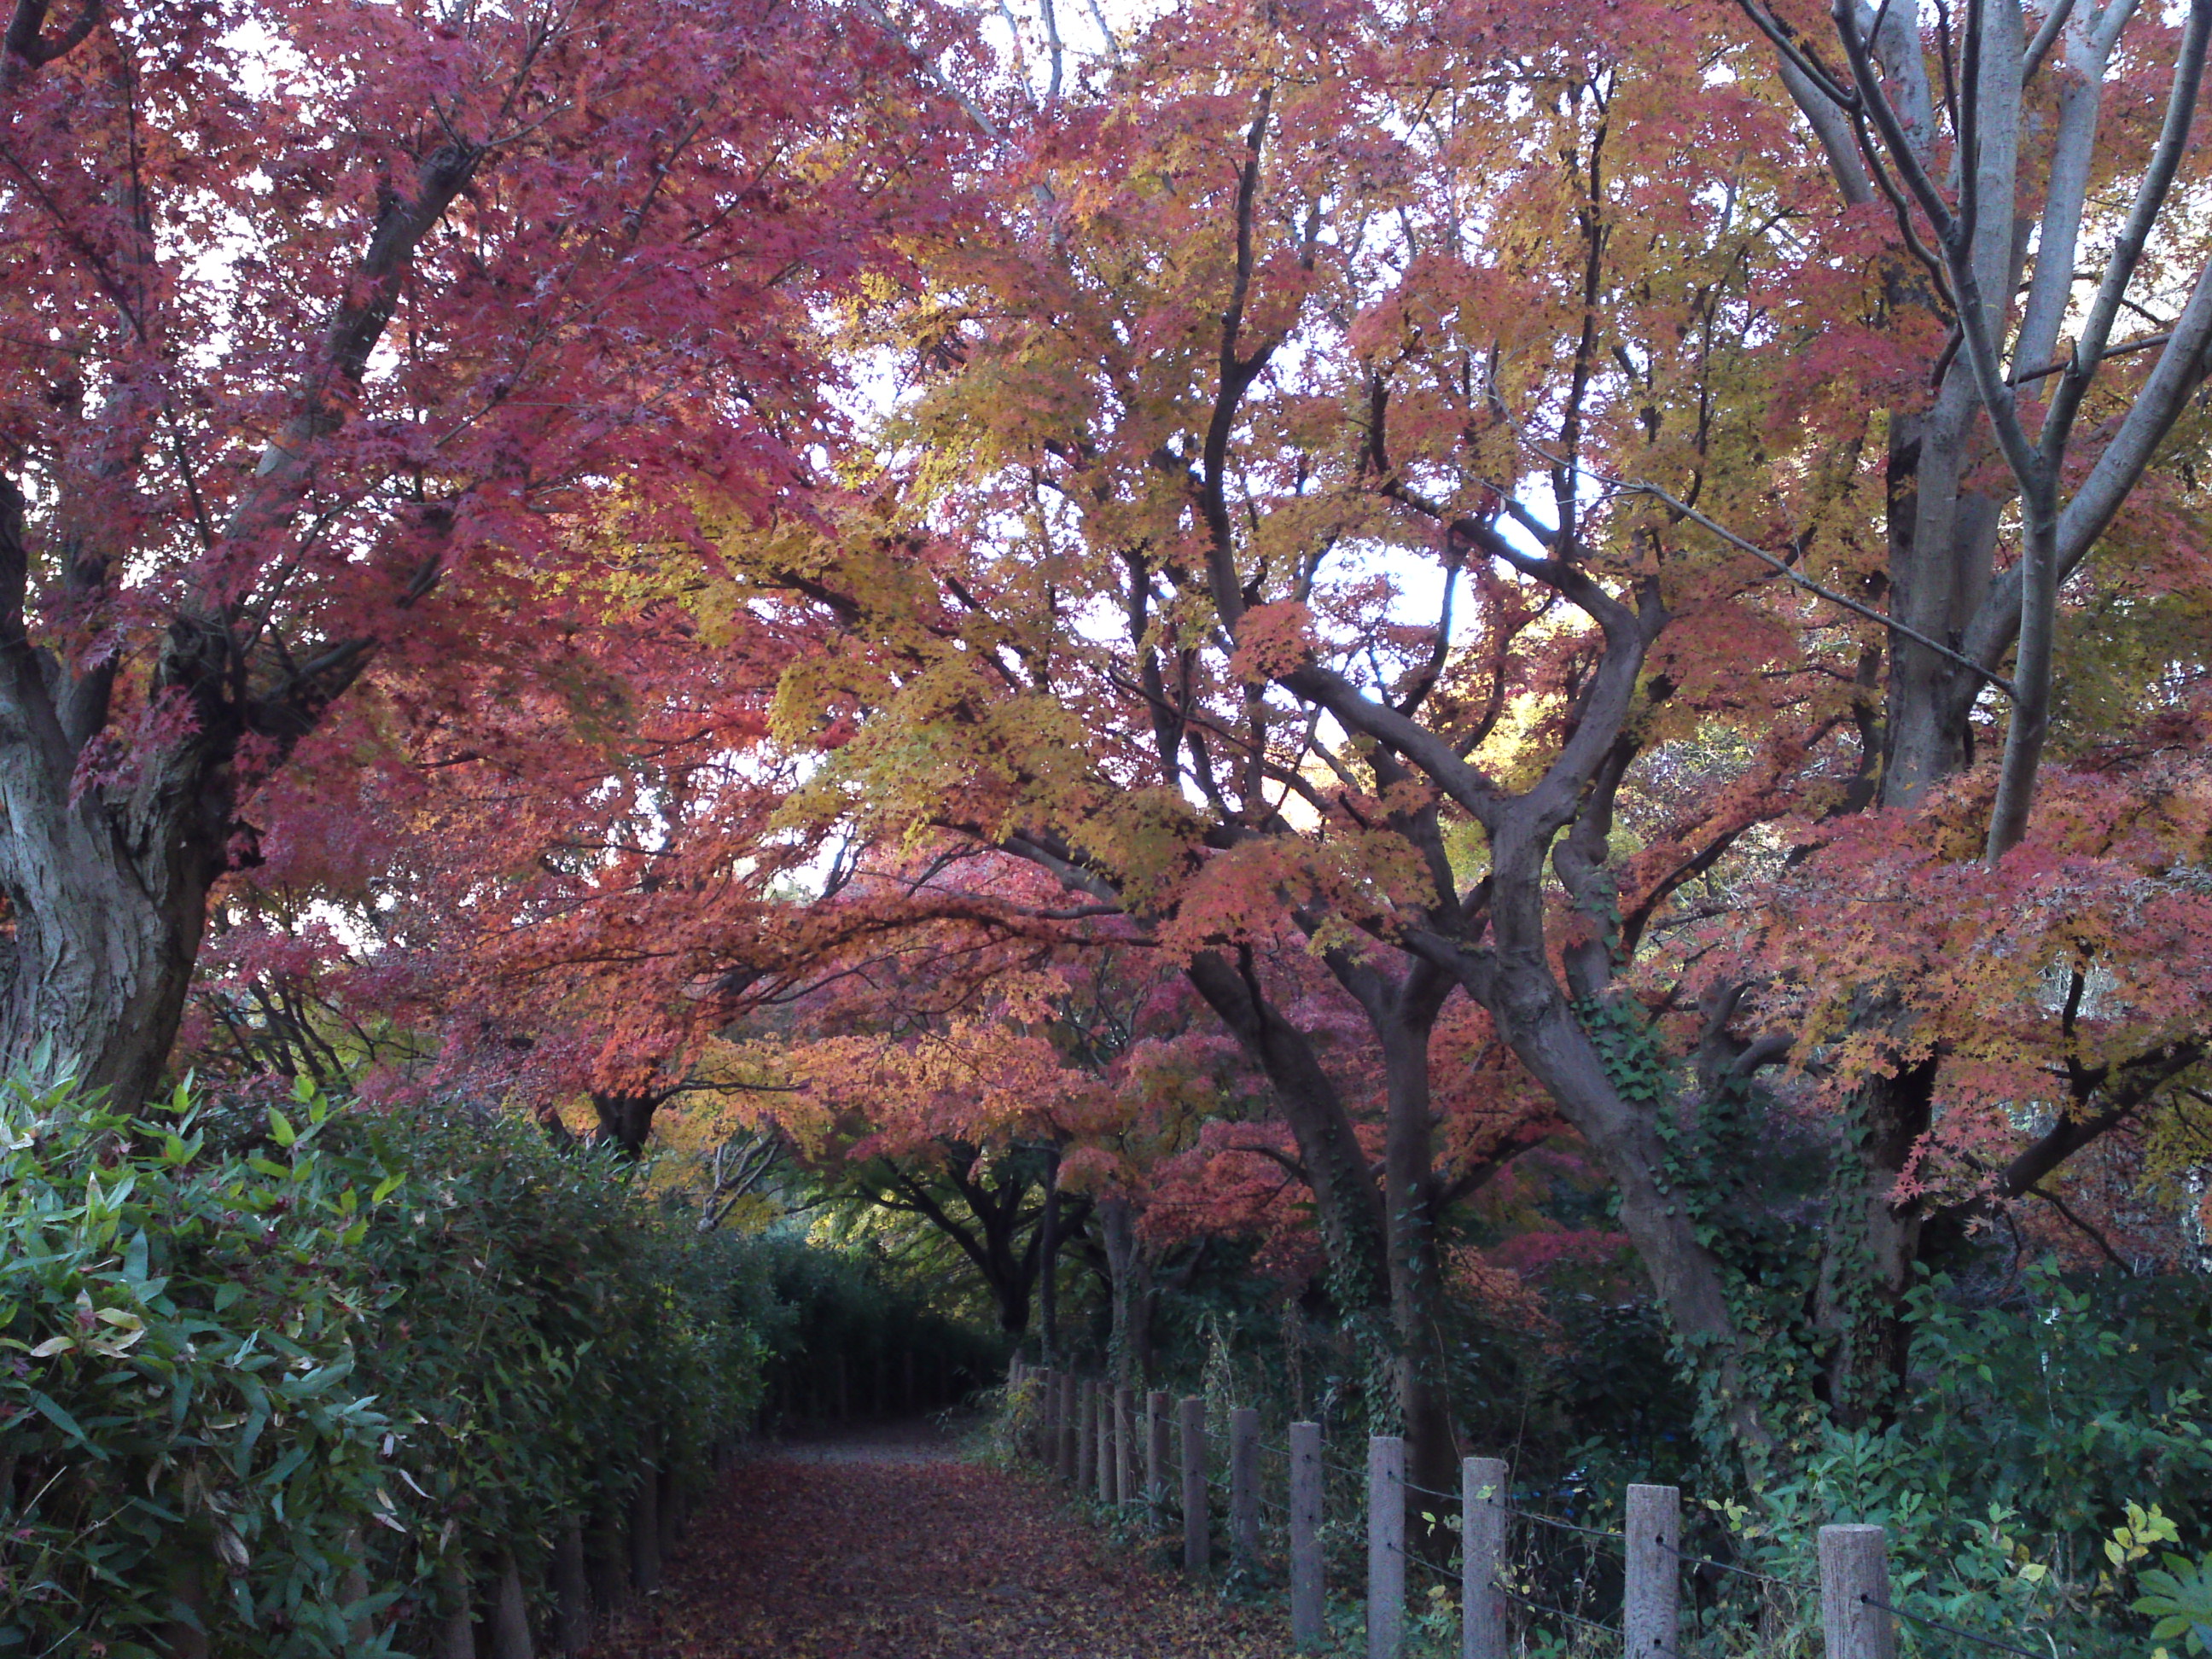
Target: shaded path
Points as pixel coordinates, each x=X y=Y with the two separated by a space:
x=887 y=1546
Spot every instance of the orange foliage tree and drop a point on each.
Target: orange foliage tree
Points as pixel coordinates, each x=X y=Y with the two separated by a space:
x=1533 y=507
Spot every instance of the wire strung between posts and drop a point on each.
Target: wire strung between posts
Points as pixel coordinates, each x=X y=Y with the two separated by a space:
x=1952 y=1629
x=1740 y=1572
x=1430 y=1492
x=1449 y=1575
x=1564 y=1526
x=1559 y=1613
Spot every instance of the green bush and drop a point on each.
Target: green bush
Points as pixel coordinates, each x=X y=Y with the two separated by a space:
x=278 y=1387
x=2013 y=1484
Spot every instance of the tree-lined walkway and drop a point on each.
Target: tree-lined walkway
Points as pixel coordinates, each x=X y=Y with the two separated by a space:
x=890 y=1547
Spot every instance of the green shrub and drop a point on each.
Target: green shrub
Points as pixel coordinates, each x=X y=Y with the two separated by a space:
x=2012 y=1482
x=277 y=1387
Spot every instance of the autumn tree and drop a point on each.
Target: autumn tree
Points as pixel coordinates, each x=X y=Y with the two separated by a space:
x=999 y=654
x=330 y=329
x=1535 y=506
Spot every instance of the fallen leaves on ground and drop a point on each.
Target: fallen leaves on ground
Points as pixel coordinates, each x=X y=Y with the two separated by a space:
x=910 y=1559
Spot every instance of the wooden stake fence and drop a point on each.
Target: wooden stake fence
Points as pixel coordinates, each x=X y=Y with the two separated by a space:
x=1857 y=1618
x=1244 y=1486
x=1194 y=1485
x=1308 y=1591
x=1125 y=1446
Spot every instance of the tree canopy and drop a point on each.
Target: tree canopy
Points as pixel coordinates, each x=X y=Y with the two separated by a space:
x=1318 y=628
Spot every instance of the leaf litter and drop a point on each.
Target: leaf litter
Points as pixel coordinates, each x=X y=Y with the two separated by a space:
x=884 y=1558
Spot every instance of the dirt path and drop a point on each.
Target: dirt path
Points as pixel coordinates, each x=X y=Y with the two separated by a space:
x=888 y=1546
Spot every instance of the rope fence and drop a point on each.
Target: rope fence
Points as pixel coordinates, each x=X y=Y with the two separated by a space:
x=1157 y=1457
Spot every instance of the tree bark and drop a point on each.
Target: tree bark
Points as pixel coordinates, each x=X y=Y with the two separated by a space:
x=1869 y=1247
x=108 y=903
x=1117 y=1234
x=572 y=1594
x=645 y=1531
x=1347 y=1208
x=625 y=1119
x=1352 y=1217
x=606 y=1558
x=669 y=1505
x=1404 y=1021
x=184 y=1570
x=1049 y=1265
x=456 y=1627
x=510 y=1614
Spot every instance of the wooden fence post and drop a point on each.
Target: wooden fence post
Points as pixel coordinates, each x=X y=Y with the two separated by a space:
x=1244 y=1486
x=1064 y=1456
x=1107 y=1454
x=1482 y=1632
x=1306 y=1586
x=1193 y=1484
x=1156 y=1455
x=1650 y=1536
x=1386 y=1547
x=1854 y=1593
x=1125 y=1445
x=1045 y=1433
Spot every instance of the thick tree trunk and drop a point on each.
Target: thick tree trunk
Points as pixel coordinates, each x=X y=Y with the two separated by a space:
x=107 y=902
x=1514 y=982
x=510 y=1613
x=1346 y=1207
x=991 y=1237
x=1117 y=1233
x=1404 y=1022
x=185 y=1562
x=572 y=1594
x=625 y=1119
x=645 y=1532
x=1868 y=1248
x=670 y=1510
x=1348 y=1210
x=1048 y=1266
x=1941 y=543
x=606 y=1558
x=456 y=1627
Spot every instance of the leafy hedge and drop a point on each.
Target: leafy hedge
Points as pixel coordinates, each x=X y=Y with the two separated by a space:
x=287 y=1391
